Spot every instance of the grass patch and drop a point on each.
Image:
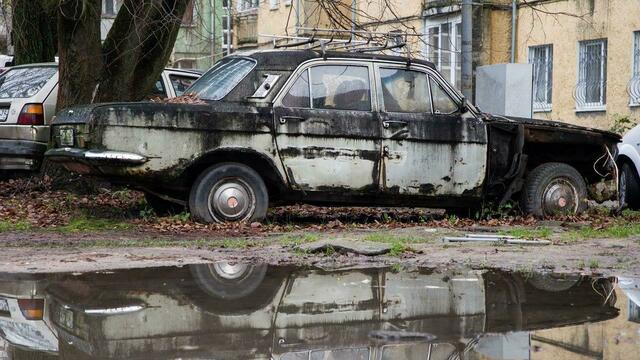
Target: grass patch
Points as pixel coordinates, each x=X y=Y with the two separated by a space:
x=387 y=238
x=616 y=231
x=14 y=226
x=537 y=233
x=296 y=240
x=91 y=224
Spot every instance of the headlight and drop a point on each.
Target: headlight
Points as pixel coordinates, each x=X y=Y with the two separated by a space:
x=26 y=335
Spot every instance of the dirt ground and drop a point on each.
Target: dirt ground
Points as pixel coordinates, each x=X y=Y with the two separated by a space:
x=47 y=230
x=21 y=252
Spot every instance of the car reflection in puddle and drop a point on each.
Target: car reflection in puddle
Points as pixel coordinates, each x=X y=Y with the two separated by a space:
x=241 y=311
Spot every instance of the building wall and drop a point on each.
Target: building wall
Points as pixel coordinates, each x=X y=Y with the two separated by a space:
x=199 y=44
x=614 y=20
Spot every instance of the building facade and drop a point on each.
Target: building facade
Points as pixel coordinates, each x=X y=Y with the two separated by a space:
x=586 y=56
x=200 y=41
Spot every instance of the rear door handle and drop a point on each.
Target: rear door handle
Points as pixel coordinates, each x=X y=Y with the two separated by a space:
x=387 y=123
x=284 y=119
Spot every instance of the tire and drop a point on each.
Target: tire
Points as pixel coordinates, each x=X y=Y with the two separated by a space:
x=629 y=192
x=161 y=206
x=222 y=188
x=552 y=189
x=553 y=282
x=252 y=290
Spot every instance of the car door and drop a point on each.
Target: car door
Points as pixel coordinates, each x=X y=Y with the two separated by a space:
x=328 y=135
x=430 y=148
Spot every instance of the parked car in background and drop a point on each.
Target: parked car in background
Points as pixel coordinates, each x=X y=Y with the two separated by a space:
x=629 y=169
x=5 y=62
x=28 y=97
x=332 y=128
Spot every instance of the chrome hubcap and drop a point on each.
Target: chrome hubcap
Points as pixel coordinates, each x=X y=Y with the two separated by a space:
x=560 y=196
x=231 y=200
x=228 y=271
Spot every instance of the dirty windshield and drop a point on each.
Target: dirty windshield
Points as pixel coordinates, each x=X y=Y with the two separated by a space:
x=24 y=82
x=221 y=79
x=229 y=310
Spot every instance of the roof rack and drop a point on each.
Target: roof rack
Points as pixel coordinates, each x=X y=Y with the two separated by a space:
x=329 y=39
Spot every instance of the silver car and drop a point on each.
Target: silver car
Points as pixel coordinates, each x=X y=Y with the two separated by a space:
x=28 y=96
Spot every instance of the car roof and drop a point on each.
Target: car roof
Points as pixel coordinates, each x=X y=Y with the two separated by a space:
x=290 y=59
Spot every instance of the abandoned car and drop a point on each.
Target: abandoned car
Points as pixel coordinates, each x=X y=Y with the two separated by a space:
x=331 y=128
x=28 y=98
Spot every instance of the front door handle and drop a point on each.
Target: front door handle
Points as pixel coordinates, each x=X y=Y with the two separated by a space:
x=284 y=119
x=387 y=123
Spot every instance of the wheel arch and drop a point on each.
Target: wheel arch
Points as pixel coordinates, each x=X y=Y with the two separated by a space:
x=627 y=153
x=261 y=163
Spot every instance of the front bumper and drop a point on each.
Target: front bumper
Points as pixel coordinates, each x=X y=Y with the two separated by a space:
x=21 y=154
x=88 y=161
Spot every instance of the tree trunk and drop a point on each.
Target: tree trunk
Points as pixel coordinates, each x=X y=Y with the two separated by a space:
x=33 y=32
x=138 y=48
x=79 y=51
x=127 y=65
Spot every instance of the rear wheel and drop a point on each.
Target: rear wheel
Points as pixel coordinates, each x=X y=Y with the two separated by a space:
x=629 y=191
x=228 y=192
x=553 y=189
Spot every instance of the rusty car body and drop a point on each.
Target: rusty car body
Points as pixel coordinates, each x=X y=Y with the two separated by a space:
x=286 y=126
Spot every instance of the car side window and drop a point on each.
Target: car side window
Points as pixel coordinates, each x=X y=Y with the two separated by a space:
x=158 y=90
x=442 y=102
x=340 y=87
x=405 y=91
x=181 y=83
x=298 y=96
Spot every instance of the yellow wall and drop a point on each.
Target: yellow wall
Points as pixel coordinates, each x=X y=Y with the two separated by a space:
x=614 y=20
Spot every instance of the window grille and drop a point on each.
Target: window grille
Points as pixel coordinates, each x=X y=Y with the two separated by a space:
x=590 y=91
x=541 y=57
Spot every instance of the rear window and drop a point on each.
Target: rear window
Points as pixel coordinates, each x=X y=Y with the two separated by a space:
x=24 y=82
x=222 y=78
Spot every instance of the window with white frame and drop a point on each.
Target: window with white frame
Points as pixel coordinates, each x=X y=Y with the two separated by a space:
x=633 y=88
x=541 y=57
x=248 y=4
x=590 y=92
x=227 y=33
x=273 y=4
x=110 y=7
x=443 y=47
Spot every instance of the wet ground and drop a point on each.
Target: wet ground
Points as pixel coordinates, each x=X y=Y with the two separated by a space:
x=229 y=310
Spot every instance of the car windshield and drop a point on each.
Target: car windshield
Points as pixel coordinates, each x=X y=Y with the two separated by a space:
x=221 y=79
x=24 y=82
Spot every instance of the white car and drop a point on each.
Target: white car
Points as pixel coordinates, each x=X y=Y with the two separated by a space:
x=28 y=96
x=24 y=316
x=628 y=165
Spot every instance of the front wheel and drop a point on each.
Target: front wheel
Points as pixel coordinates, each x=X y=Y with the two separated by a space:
x=629 y=192
x=228 y=192
x=553 y=189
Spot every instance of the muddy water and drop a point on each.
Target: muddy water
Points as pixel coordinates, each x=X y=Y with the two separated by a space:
x=233 y=311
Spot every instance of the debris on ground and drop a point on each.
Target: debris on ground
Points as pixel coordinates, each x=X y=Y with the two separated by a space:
x=342 y=246
x=499 y=239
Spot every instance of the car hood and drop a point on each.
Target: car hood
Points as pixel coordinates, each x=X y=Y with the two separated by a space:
x=548 y=124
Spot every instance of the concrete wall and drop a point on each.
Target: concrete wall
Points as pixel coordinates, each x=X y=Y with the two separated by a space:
x=614 y=20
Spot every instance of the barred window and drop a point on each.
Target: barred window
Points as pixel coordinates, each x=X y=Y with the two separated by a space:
x=633 y=88
x=590 y=92
x=541 y=57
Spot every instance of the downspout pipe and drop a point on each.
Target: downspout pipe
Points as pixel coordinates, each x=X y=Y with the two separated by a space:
x=467 y=49
x=514 y=24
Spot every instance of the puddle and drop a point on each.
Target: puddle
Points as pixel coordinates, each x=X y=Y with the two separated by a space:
x=235 y=311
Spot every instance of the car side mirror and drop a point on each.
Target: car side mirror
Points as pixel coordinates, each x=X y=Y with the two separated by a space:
x=464 y=106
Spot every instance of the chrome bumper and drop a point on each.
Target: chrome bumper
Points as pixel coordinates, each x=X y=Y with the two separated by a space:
x=95 y=157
